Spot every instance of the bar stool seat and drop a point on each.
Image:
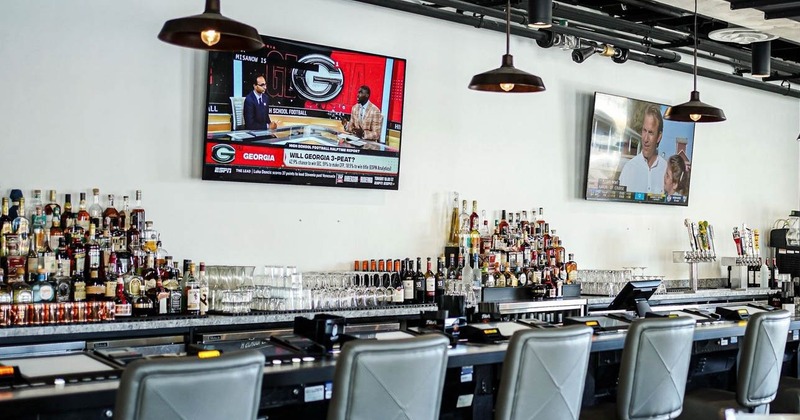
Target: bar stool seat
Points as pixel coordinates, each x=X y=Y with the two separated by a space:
x=390 y=379
x=758 y=373
x=653 y=371
x=787 y=400
x=538 y=381
x=225 y=388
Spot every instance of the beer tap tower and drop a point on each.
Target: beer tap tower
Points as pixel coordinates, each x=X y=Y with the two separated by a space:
x=701 y=242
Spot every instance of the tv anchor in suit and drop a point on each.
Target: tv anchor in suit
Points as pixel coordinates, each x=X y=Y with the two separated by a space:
x=365 y=118
x=256 y=107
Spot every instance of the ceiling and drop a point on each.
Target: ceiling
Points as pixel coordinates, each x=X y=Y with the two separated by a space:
x=658 y=33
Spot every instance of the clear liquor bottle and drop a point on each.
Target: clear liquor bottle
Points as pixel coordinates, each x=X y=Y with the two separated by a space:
x=204 y=294
x=52 y=211
x=21 y=227
x=43 y=290
x=192 y=292
x=38 y=228
x=125 y=214
x=21 y=291
x=6 y=296
x=149 y=238
x=455 y=223
x=36 y=201
x=96 y=210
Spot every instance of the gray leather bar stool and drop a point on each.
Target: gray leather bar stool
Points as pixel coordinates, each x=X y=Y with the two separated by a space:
x=760 y=361
x=389 y=379
x=226 y=387
x=653 y=372
x=544 y=372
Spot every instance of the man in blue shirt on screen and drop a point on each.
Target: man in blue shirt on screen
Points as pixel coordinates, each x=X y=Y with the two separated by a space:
x=645 y=171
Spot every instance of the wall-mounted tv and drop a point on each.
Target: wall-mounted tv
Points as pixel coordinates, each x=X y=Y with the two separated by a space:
x=304 y=114
x=637 y=156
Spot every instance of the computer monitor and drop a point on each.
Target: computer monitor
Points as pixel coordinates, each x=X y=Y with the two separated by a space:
x=634 y=296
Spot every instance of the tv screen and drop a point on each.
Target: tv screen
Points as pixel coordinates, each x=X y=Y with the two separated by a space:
x=636 y=155
x=304 y=114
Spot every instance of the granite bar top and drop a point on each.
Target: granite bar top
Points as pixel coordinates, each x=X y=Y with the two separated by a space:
x=208 y=321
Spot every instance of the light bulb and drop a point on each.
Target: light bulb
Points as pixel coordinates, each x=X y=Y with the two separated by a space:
x=210 y=37
x=695 y=117
x=507 y=86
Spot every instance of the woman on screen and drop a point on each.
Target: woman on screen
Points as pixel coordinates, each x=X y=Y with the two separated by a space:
x=676 y=178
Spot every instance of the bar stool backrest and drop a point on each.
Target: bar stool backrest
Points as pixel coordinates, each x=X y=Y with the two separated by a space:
x=544 y=373
x=225 y=387
x=761 y=358
x=390 y=379
x=654 y=368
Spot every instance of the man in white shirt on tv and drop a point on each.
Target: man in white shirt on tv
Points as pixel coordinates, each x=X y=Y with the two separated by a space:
x=645 y=172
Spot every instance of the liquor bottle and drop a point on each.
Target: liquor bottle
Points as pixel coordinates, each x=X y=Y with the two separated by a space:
x=112 y=272
x=31 y=261
x=6 y=227
x=571 y=268
x=474 y=219
x=52 y=211
x=125 y=214
x=419 y=283
x=122 y=304
x=67 y=217
x=6 y=296
x=455 y=225
x=133 y=238
x=96 y=211
x=503 y=225
x=92 y=251
x=170 y=281
x=160 y=297
x=63 y=284
x=47 y=257
x=35 y=201
x=38 y=227
x=150 y=273
x=463 y=235
x=134 y=283
x=464 y=274
x=192 y=290
x=55 y=232
x=142 y=305
x=203 y=283
x=62 y=256
x=42 y=289
x=558 y=250
x=475 y=240
x=439 y=289
x=82 y=218
x=430 y=283
x=511 y=279
x=21 y=227
x=454 y=272
x=398 y=296
x=110 y=214
x=149 y=238
x=95 y=287
x=499 y=277
x=21 y=291
x=540 y=218
x=408 y=281
x=487 y=278
x=137 y=214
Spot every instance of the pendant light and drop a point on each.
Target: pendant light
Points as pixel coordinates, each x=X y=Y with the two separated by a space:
x=507 y=78
x=211 y=31
x=694 y=110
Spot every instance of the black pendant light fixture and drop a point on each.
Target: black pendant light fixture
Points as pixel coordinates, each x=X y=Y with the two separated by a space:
x=507 y=78
x=211 y=31
x=761 y=57
x=694 y=110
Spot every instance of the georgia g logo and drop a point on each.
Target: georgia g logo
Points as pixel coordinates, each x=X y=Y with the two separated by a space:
x=223 y=153
x=321 y=85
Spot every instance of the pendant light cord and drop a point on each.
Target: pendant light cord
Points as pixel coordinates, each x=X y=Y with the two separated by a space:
x=695 y=45
x=508 y=27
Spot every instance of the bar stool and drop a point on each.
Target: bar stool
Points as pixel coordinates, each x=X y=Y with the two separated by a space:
x=758 y=373
x=653 y=372
x=390 y=379
x=225 y=387
x=787 y=400
x=544 y=372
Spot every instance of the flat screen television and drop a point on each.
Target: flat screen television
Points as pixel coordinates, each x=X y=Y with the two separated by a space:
x=637 y=156
x=304 y=114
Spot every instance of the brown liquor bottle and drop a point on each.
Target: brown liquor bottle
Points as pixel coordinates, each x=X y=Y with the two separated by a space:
x=110 y=214
x=137 y=214
x=82 y=218
x=67 y=217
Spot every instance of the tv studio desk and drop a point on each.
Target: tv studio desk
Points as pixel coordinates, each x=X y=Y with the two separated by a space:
x=473 y=369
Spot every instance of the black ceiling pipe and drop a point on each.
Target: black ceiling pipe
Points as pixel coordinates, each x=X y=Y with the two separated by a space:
x=634 y=56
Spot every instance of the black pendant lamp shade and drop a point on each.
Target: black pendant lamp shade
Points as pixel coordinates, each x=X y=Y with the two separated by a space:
x=211 y=31
x=540 y=13
x=761 y=57
x=507 y=78
x=695 y=110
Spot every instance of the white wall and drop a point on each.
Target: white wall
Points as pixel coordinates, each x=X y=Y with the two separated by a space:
x=92 y=99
